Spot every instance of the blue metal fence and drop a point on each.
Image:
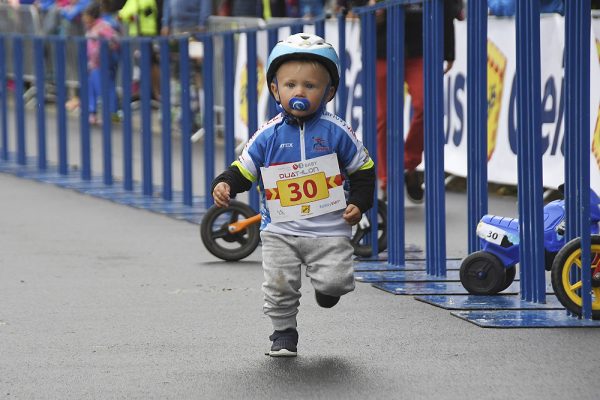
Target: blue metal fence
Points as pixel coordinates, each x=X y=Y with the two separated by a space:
x=529 y=126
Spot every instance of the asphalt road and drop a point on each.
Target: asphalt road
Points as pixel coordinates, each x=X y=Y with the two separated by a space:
x=103 y=301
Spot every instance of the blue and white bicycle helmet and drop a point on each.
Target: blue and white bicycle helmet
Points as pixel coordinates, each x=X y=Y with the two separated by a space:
x=304 y=46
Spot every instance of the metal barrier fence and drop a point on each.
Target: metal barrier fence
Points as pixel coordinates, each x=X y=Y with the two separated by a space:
x=528 y=99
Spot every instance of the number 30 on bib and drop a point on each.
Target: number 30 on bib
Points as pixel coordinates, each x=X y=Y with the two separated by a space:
x=304 y=189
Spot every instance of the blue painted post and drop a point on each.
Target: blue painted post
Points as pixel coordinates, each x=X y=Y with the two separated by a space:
x=577 y=139
x=342 y=93
x=477 y=118
x=296 y=28
x=186 y=119
x=3 y=102
x=529 y=155
x=165 y=100
x=61 y=98
x=228 y=88
x=209 y=123
x=320 y=28
x=435 y=206
x=145 y=96
x=126 y=71
x=40 y=94
x=252 y=95
x=85 y=143
x=19 y=102
x=395 y=134
x=272 y=35
x=106 y=114
x=369 y=113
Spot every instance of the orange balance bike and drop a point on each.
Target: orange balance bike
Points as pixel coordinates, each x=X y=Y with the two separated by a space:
x=232 y=233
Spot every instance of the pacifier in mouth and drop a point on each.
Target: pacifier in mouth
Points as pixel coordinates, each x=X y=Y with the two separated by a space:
x=299 y=103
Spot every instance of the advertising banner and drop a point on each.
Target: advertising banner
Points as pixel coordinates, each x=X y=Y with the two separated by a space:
x=501 y=88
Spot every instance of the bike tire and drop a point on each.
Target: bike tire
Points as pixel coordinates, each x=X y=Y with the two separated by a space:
x=216 y=237
x=566 y=288
x=482 y=273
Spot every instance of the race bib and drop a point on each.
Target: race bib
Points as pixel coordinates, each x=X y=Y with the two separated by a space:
x=304 y=189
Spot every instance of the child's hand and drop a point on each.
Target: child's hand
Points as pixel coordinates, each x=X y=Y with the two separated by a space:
x=221 y=194
x=352 y=214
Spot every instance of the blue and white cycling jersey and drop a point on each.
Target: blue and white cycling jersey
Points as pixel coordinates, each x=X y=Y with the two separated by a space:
x=282 y=140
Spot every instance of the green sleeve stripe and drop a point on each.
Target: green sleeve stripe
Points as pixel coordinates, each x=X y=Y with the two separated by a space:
x=247 y=174
x=368 y=165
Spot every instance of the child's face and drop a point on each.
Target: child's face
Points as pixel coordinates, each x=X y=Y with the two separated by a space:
x=308 y=80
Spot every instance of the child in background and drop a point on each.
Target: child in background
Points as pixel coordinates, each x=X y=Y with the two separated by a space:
x=97 y=28
x=304 y=220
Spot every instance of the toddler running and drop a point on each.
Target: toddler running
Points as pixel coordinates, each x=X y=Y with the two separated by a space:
x=302 y=157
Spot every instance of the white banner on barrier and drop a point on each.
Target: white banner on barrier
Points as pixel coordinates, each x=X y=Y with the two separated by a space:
x=502 y=160
x=502 y=135
x=240 y=97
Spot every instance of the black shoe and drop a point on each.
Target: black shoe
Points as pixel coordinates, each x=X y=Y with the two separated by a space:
x=326 y=301
x=414 y=189
x=284 y=343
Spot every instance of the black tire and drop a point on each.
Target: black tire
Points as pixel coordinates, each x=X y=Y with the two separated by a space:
x=566 y=288
x=361 y=248
x=511 y=272
x=483 y=273
x=216 y=237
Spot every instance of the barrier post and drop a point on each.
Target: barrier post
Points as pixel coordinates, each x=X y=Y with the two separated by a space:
x=186 y=119
x=435 y=206
x=106 y=113
x=529 y=155
x=369 y=109
x=228 y=70
x=342 y=93
x=61 y=99
x=38 y=46
x=85 y=145
x=477 y=198
x=577 y=138
x=320 y=27
x=272 y=36
x=145 y=96
x=395 y=134
x=209 y=122
x=3 y=102
x=252 y=95
x=165 y=123
x=19 y=102
x=127 y=120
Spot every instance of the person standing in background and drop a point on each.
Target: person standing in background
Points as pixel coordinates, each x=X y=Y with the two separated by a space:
x=185 y=16
x=97 y=28
x=140 y=18
x=413 y=76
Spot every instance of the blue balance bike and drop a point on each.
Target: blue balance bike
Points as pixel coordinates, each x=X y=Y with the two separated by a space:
x=492 y=269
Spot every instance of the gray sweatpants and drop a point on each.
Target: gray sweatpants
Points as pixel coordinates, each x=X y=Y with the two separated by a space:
x=328 y=263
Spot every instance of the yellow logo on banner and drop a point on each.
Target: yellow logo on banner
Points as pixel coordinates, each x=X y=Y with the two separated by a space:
x=260 y=85
x=496 y=65
x=305 y=189
x=596 y=138
x=305 y=209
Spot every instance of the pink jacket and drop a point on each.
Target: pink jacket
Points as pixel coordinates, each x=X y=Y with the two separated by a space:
x=100 y=29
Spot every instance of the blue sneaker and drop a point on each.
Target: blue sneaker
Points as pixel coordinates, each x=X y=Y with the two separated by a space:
x=284 y=343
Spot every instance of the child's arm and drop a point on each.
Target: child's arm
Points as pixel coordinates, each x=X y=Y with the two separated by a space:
x=228 y=184
x=362 y=191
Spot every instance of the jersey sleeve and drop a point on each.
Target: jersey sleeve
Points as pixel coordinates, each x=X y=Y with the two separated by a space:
x=351 y=151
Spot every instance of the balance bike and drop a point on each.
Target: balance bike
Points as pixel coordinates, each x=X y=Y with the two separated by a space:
x=232 y=233
x=492 y=269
